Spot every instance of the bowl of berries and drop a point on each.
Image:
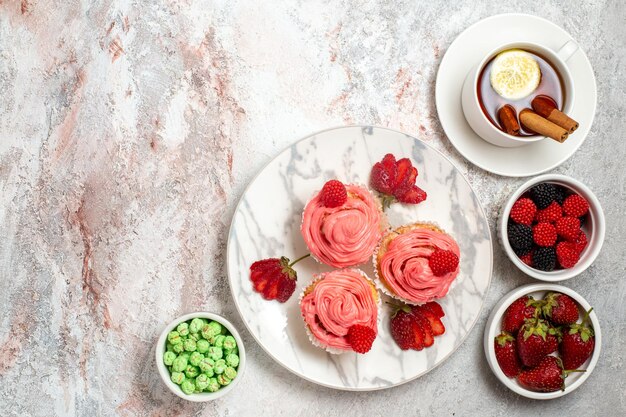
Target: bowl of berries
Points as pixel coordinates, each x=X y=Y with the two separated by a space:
x=552 y=227
x=542 y=340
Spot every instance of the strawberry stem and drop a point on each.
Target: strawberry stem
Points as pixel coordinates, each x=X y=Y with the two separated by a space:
x=299 y=259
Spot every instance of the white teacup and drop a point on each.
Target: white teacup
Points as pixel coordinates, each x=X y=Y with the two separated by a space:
x=474 y=113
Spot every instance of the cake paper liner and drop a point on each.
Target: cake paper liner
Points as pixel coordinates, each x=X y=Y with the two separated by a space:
x=380 y=282
x=315 y=281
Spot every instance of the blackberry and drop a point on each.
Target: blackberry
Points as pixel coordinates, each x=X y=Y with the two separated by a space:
x=543 y=194
x=520 y=238
x=544 y=259
x=561 y=193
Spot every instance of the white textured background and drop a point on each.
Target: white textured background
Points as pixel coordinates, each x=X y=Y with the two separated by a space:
x=128 y=131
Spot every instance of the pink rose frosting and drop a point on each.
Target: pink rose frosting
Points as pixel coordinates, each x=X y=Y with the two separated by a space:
x=404 y=266
x=346 y=235
x=339 y=300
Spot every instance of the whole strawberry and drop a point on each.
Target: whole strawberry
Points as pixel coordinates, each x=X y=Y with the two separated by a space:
x=532 y=342
x=361 y=338
x=547 y=376
x=506 y=354
x=560 y=308
x=274 y=278
x=577 y=344
x=405 y=330
x=333 y=194
x=521 y=309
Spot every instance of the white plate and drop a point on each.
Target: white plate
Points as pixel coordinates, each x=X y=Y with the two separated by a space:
x=467 y=50
x=266 y=224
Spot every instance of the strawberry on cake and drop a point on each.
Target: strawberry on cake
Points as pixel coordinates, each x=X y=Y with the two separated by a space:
x=340 y=311
x=417 y=263
x=342 y=224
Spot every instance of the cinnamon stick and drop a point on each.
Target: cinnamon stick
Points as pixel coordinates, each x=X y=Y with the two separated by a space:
x=542 y=126
x=508 y=120
x=545 y=107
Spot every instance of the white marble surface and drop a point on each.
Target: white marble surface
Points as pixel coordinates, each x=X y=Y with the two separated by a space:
x=128 y=131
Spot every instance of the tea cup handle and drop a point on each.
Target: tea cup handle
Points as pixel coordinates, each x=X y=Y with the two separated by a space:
x=566 y=51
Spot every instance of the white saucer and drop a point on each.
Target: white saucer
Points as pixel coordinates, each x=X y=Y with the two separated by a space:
x=468 y=49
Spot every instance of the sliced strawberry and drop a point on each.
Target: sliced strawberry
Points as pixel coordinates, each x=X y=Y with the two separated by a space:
x=435 y=308
x=405 y=178
x=436 y=325
x=414 y=195
x=425 y=326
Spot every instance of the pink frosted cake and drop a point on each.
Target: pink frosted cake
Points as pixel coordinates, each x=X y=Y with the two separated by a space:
x=345 y=235
x=336 y=301
x=403 y=263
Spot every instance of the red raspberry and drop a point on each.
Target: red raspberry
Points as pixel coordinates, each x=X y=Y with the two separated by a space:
x=567 y=254
x=527 y=259
x=544 y=234
x=575 y=206
x=523 y=211
x=333 y=194
x=568 y=227
x=549 y=214
x=442 y=262
x=360 y=338
x=580 y=242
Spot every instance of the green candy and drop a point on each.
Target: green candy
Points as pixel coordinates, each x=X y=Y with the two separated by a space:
x=196 y=325
x=190 y=345
x=215 y=353
x=219 y=341
x=220 y=366
x=202 y=382
x=202 y=346
x=192 y=371
x=188 y=386
x=174 y=337
x=168 y=358
x=210 y=330
x=209 y=372
x=229 y=373
x=179 y=364
x=169 y=347
x=178 y=348
x=221 y=379
x=183 y=329
x=213 y=385
x=234 y=351
x=229 y=342
x=206 y=364
x=232 y=360
x=187 y=355
x=195 y=358
x=195 y=336
x=177 y=377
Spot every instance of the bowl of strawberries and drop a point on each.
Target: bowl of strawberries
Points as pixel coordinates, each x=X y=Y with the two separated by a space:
x=552 y=227
x=542 y=340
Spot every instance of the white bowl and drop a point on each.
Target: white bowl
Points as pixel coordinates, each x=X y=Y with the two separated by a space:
x=494 y=325
x=165 y=374
x=594 y=228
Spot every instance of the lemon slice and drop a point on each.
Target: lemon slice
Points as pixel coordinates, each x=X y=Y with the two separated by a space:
x=515 y=74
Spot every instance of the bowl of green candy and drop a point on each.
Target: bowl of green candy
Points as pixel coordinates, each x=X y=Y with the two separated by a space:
x=200 y=356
